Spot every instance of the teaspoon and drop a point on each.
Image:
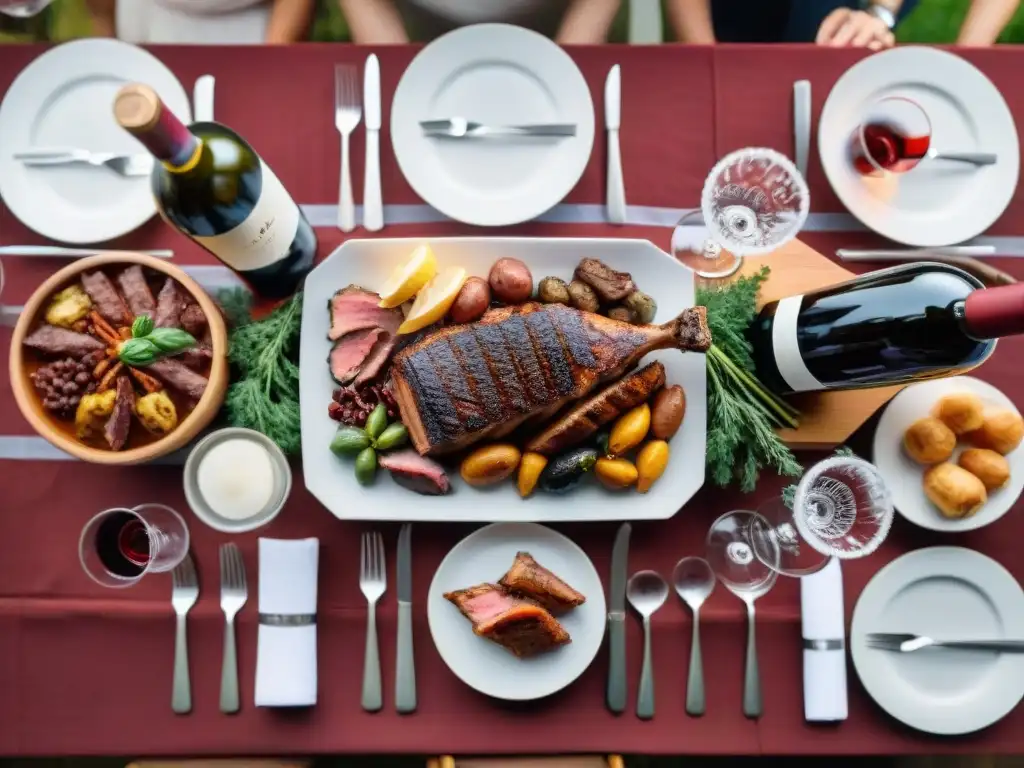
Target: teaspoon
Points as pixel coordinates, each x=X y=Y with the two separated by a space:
x=694 y=581
x=646 y=592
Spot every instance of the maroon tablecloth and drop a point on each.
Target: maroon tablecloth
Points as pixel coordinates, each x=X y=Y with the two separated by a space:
x=87 y=670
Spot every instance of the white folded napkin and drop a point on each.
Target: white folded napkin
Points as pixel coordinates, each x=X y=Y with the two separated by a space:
x=286 y=653
x=824 y=633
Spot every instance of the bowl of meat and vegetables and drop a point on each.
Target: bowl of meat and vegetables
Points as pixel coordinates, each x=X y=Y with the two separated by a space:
x=119 y=359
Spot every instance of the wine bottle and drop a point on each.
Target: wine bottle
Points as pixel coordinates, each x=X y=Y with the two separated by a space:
x=893 y=326
x=213 y=187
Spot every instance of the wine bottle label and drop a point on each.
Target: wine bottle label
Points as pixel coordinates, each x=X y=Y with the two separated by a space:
x=786 y=349
x=265 y=235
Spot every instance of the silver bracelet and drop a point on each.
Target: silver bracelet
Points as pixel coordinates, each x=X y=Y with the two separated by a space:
x=884 y=14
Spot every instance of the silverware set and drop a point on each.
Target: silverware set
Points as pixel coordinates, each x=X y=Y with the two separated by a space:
x=184 y=594
x=373 y=584
x=350 y=100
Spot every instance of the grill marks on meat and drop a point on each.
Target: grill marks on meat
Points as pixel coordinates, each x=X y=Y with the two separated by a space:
x=532 y=580
x=54 y=340
x=175 y=373
x=589 y=416
x=465 y=383
x=136 y=291
x=120 y=420
x=170 y=303
x=108 y=301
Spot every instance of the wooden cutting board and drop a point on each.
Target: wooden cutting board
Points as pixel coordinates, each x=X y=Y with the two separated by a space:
x=827 y=419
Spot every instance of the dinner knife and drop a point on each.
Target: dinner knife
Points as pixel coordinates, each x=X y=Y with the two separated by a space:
x=801 y=124
x=914 y=254
x=616 y=197
x=405 y=668
x=617 y=621
x=74 y=253
x=373 y=205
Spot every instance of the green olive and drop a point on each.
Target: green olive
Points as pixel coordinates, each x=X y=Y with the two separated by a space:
x=377 y=421
x=366 y=466
x=395 y=435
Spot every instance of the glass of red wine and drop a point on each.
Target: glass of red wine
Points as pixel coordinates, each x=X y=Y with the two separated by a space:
x=119 y=546
x=893 y=137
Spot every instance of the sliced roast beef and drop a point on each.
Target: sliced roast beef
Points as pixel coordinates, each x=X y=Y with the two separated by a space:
x=54 y=340
x=170 y=303
x=193 y=320
x=120 y=419
x=197 y=357
x=108 y=301
x=482 y=602
x=415 y=472
x=175 y=373
x=136 y=291
x=355 y=309
x=350 y=352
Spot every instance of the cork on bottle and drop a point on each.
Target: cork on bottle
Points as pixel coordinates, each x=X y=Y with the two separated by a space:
x=137 y=108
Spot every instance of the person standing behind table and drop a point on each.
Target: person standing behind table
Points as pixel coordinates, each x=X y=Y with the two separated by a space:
x=568 y=21
x=825 y=22
x=213 y=22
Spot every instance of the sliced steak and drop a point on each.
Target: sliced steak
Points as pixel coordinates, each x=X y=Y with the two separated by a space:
x=350 y=352
x=525 y=630
x=193 y=320
x=532 y=580
x=170 y=303
x=120 y=420
x=136 y=291
x=417 y=473
x=197 y=358
x=108 y=301
x=176 y=374
x=482 y=602
x=54 y=340
x=355 y=309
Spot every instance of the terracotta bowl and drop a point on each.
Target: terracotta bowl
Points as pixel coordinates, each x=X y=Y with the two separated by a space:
x=31 y=405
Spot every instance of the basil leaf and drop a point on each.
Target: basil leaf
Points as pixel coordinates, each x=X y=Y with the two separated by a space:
x=138 y=352
x=142 y=326
x=171 y=340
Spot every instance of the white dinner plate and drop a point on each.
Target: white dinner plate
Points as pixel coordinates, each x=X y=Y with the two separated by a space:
x=65 y=98
x=946 y=593
x=938 y=202
x=368 y=263
x=904 y=476
x=496 y=74
x=484 y=556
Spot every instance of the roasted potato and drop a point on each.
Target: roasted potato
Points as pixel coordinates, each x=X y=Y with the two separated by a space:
x=93 y=411
x=157 y=413
x=472 y=301
x=511 y=281
x=582 y=297
x=623 y=314
x=553 y=290
x=68 y=307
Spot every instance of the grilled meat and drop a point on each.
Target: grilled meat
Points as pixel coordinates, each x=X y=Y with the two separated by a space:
x=532 y=580
x=524 y=629
x=193 y=320
x=120 y=420
x=170 y=303
x=470 y=382
x=354 y=309
x=482 y=602
x=54 y=340
x=136 y=291
x=176 y=374
x=607 y=283
x=417 y=473
x=593 y=413
x=108 y=301
x=197 y=357
x=349 y=353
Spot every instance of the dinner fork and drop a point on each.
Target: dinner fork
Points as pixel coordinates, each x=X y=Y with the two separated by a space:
x=184 y=593
x=907 y=643
x=233 y=594
x=347 y=113
x=372 y=581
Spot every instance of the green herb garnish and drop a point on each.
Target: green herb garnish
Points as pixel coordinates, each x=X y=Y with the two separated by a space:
x=142 y=326
x=742 y=413
x=149 y=344
x=264 y=394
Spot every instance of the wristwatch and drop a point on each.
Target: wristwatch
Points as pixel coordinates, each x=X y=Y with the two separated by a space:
x=886 y=16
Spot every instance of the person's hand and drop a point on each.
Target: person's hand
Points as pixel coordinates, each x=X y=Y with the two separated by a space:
x=856 y=29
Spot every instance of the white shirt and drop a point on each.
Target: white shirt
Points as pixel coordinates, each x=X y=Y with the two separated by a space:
x=210 y=22
x=480 y=11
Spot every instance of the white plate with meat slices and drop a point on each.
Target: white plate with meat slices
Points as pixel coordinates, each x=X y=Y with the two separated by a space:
x=368 y=264
x=517 y=611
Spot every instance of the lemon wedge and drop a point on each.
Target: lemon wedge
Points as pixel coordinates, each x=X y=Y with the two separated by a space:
x=434 y=300
x=408 y=278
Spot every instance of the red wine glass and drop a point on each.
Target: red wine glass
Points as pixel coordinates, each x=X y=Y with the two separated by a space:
x=119 y=546
x=894 y=137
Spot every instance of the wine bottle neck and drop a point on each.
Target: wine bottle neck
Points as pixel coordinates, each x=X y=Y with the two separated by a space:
x=139 y=110
x=990 y=313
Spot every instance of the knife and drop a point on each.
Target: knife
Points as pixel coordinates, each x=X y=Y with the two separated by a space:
x=73 y=253
x=616 y=199
x=202 y=99
x=801 y=124
x=373 y=206
x=617 y=621
x=405 y=670
x=914 y=254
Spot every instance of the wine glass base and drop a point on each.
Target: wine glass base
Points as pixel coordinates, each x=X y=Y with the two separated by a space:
x=693 y=247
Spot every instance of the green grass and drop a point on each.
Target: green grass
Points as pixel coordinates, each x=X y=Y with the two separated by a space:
x=933 y=21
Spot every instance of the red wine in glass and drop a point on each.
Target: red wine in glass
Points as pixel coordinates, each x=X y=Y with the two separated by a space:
x=884 y=147
x=122 y=545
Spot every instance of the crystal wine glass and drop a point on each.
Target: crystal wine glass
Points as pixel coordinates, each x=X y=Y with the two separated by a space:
x=119 y=546
x=754 y=201
x=21 y=9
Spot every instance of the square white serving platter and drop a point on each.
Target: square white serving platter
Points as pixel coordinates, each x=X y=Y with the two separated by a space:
x=368 y=263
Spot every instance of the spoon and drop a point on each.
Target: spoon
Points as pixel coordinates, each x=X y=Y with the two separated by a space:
x=694 y=581
x=646 y=592
x=748 y=593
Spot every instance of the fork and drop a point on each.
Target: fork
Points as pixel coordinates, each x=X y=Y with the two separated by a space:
x=907 y=643
x=372 y=581
x=233 y=594
x=347 y=113
x=184 y=593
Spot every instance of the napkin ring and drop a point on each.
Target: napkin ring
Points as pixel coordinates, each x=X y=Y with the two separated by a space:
x=824 y=645
x=287 y=619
